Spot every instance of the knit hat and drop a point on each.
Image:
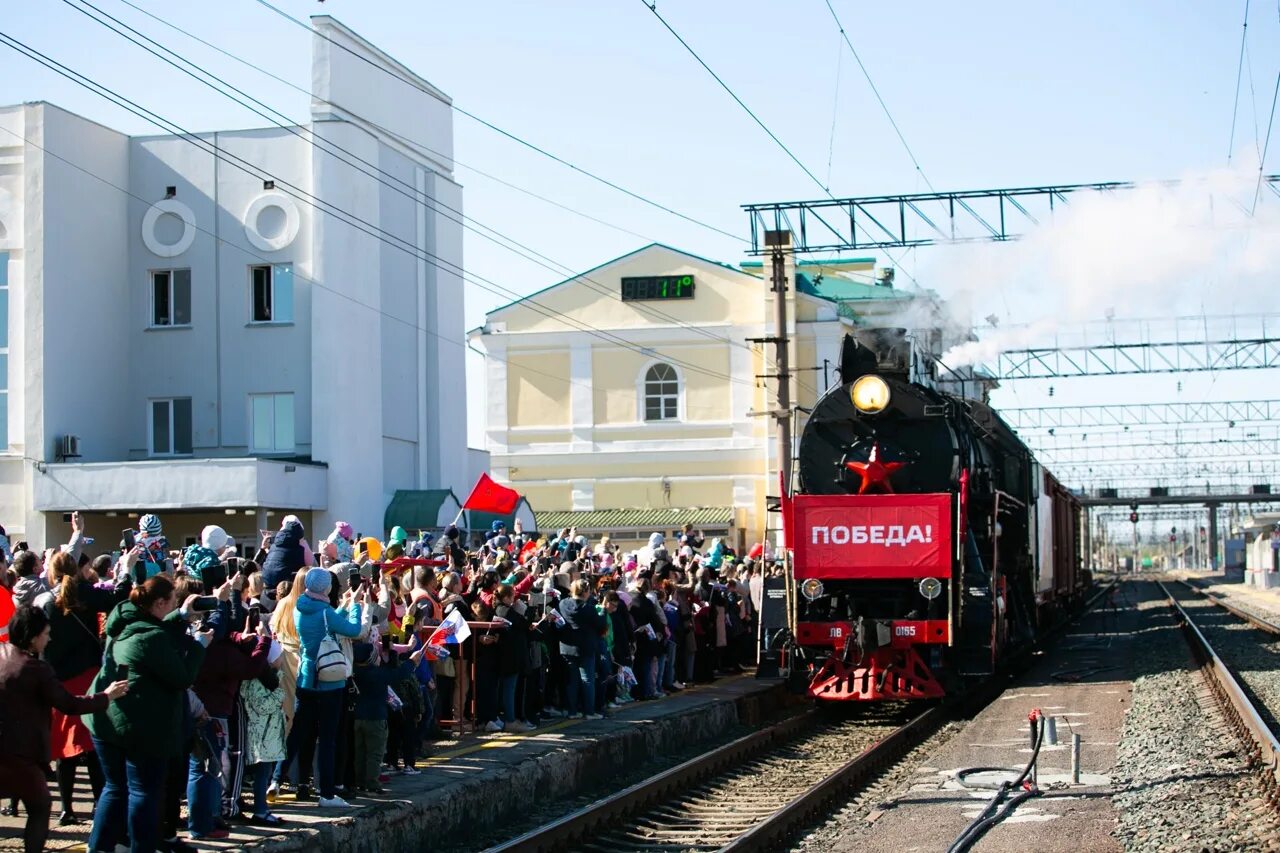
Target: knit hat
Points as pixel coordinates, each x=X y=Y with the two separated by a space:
x=398 y=535
x=290 y=519
x=344 y=530
x=452 y=531
x=149 y=525
x=318 y=581
x=498 y=525
x=213 y=537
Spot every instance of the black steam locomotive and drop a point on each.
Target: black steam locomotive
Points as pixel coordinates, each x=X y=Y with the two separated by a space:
x=926 y=540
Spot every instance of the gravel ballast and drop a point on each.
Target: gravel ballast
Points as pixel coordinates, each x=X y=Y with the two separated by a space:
x=1182 y=779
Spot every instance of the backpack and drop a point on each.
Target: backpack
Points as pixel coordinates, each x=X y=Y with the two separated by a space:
x=332 y=663
x=410 y=694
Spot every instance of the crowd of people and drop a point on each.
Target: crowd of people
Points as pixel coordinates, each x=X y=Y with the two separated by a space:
x=228 y=681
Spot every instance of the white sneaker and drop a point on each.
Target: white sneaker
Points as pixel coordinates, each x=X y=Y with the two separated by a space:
x=679 y=685
x=515 y=726
x=552 y=712
x=273 y=791
x=594 y=717
x=411 y=771
x=613 y=706
x=334 y=802
x=528 y=726
x=493 y=726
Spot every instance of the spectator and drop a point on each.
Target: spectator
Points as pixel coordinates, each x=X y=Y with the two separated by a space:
x=29 y=691
x=231 y=659
x=264 y=745
x=374 y=681
x=513 y=655
x=578 y=645
x=135 y=737
x=30 y=582
x=207 y=554
x=75 y=653
x=287 y=555
x=650 y=639
x=319 y=694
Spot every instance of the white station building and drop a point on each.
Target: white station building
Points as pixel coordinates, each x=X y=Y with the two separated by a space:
x=185 y=331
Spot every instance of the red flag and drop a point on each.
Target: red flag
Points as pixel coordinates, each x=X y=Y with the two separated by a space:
x=488 y=496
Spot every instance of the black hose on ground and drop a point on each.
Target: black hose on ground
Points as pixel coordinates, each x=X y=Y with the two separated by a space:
x=993 y=813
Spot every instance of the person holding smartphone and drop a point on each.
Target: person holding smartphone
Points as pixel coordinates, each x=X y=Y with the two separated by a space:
x=136 y=737
x=29 y=692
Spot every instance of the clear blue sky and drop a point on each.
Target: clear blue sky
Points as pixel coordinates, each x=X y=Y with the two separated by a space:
x=987 y=94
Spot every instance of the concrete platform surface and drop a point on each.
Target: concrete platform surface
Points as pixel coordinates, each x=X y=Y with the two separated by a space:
x=482 y=778
x=1085 y=682
x=1264 y=602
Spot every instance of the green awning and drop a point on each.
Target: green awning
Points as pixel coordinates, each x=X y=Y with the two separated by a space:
x=421 y=509
x=665 y=520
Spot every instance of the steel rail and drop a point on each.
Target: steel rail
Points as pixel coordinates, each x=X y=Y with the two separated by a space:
x=1235 y=701
x=601 y=814
x=1252 y=618
x=577 y=827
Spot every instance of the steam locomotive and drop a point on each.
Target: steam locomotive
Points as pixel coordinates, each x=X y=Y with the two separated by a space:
x=927 y=542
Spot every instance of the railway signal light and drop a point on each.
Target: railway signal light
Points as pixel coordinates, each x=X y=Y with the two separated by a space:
x=1133 y=517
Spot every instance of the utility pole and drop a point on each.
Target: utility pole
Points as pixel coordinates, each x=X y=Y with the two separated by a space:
x=779 y=243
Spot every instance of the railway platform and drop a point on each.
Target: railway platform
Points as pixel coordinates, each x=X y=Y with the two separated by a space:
x=1264 y=602
x=1085 y=683
x=479 y=780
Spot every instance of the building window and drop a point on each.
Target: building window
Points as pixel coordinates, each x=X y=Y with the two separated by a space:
x=661 y=393
x=171 y=298
x=271 y=296
x=271 y=423
x=170 y=427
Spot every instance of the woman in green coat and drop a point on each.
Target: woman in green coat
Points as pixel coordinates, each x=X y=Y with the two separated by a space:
x=148 y=644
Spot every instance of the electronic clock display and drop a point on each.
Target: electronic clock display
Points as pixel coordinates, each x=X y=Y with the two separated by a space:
x=657 y=287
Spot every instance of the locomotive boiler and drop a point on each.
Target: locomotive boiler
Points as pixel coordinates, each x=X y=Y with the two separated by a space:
x=926 y=541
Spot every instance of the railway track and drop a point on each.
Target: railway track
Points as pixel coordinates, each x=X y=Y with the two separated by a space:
x=753 y=793
x=1242 y=676
x=746 y=795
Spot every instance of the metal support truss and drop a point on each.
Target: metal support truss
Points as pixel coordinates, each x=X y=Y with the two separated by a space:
x=1148 y=357
x=1238 y=490
x=1102 y=451
x=1135 y=414
x=1158 y=472
x=919 y=219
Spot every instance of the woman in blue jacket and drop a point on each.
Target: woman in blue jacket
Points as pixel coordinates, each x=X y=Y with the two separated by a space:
x=320 y=702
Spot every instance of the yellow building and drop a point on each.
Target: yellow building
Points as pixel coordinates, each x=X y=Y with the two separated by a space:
x=623 y=400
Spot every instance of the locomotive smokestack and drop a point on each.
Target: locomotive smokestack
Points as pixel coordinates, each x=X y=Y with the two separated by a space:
x=891 y=348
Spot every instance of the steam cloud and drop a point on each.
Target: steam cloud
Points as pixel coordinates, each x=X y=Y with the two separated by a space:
x=1157 y=250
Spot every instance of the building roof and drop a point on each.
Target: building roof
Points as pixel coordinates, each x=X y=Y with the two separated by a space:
x=642 y=520
x=587 y=273
x=840 y=289
x=417 y=509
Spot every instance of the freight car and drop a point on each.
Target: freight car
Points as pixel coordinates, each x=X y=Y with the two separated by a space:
x=926 y=541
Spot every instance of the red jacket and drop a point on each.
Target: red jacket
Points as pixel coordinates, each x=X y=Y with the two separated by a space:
x=28 y=690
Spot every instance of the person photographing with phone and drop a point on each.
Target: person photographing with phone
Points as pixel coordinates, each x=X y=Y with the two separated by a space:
x=136 y=737
x=29 y=691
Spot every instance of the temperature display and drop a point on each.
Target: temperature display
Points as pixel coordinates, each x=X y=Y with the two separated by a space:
x=657 y=287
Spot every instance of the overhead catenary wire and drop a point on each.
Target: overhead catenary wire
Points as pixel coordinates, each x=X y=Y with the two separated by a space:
x=652 y=7
x=1262 y=160
x=876 y=91
x=416 y=143
x=341 y=215
x=382 y=176
x=512 y=136
x=459 y=342
x=1235 y=105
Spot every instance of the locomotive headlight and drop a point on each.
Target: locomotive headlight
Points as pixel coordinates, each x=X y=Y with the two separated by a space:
x=811 y=589
x=931 y=588
x=870 y=394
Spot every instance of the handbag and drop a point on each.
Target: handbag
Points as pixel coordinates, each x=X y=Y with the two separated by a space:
x=332 y=664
